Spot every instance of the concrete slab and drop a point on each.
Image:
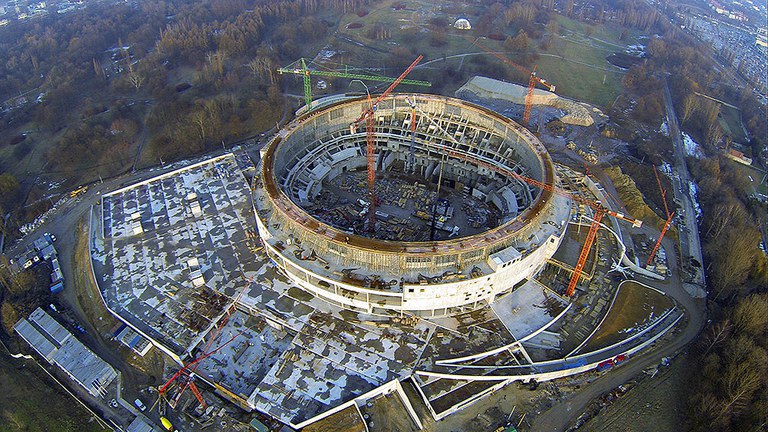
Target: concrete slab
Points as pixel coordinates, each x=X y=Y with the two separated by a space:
x=528 y=309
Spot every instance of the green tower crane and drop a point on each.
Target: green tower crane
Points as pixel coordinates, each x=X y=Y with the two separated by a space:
x=299 y=67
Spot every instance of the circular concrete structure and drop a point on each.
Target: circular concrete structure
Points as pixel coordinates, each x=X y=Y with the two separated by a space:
x=494 y=230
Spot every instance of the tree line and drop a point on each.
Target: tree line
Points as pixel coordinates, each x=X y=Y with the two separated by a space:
x=170 y=77
x=730 y=391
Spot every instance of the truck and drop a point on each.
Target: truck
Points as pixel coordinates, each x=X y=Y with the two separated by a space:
x=166 y=423
x=77 y=192
x=423 y=215
x=607 y=364
x=57 y=287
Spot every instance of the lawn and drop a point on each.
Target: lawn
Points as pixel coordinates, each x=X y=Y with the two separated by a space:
x=580 y=82
x=579 y=70
x=636 y=306
x=575 y=63
x=757 y=179
x=607 y=35
x=730 y=120
x=31 y=401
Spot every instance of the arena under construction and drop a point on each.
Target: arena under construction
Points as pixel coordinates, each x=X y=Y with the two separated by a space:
x=450 y=233
x=446 y=286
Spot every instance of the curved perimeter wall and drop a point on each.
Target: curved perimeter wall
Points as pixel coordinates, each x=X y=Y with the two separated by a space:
x=389 y=275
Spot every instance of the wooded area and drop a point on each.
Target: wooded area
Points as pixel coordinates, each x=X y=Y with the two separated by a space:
x=119 y=86
x=730 y=394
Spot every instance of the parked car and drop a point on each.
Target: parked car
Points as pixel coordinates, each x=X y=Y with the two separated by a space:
x=140 y=405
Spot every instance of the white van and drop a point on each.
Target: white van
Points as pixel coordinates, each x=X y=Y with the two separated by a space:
x=140 y=405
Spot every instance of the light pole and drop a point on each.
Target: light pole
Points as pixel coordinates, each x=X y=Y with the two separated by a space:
x=361 y=82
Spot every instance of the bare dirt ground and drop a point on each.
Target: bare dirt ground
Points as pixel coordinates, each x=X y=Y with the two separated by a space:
x=32 y=401
x=656 y=403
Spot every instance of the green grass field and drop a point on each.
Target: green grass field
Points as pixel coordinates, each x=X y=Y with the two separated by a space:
x=574 y=62
x=756 y=179
x=581 y=82
x=609 y=36
x=30 y=403
x=730 y=120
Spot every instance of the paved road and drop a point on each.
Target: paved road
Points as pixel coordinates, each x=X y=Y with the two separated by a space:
x=560 y=416
x=63 y=224
x=690 y=244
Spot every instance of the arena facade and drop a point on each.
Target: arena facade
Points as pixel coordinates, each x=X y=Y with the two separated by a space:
x=454 y=294
x=468 y=149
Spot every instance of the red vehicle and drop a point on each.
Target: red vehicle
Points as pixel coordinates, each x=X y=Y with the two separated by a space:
x=607 y=364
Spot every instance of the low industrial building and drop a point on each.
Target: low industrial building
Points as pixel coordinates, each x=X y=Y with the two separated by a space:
x=59 y=347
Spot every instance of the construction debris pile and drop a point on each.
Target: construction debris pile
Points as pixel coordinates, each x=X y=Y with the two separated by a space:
x=404 y=210
x=576 y=113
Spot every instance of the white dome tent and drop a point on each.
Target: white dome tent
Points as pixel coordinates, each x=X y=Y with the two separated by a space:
x=462 y=24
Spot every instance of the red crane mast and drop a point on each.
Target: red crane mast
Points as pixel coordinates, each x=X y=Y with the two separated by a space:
x=599 y=209
x=191 y=367
x=370 y=140
x=661 y=189
x=666 y=224
x=533 y=79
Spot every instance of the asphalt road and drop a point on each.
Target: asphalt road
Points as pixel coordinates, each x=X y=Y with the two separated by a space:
x=560 y=416
x=63 y=224
x=691 y=244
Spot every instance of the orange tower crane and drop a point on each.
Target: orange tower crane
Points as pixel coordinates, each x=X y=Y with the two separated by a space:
x=186 y=372
x=190 y=368
x=598 y=208
x=661 y=190
x=666 y=224
x=370 y=140
x=532 y=80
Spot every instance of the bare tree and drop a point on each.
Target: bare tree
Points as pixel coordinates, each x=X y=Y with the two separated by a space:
x=8 y=316
x=97 y=69
x=751 y=315
x=262 y=66
x=200 y=119
x=717 y=334
x=741 y=381
x=690 y=105
x=16 y=282
x=135 y=79
x=714 y=133
x=732 y=259
x=723 y=216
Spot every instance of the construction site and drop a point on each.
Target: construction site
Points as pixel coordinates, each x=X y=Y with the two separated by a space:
x=325 y=283
x=450 y=224
x=398 y=258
